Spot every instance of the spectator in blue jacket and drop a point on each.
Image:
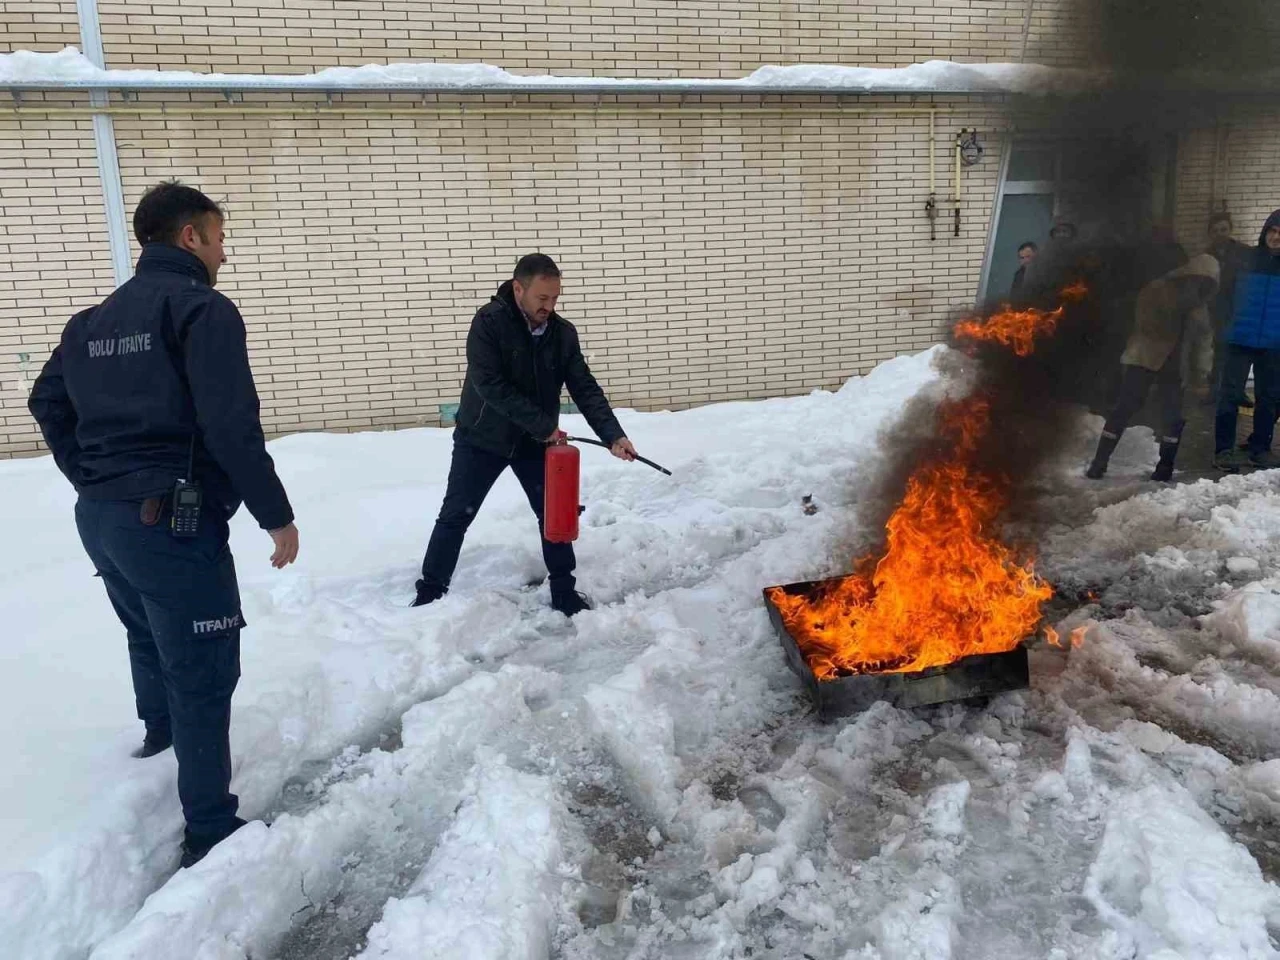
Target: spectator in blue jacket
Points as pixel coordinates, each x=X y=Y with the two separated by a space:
x=1254 y=340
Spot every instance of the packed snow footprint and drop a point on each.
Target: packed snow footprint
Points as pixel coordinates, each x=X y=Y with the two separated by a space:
x=482 y=778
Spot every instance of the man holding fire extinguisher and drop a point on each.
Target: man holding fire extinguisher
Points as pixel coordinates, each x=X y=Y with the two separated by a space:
x=520 y=355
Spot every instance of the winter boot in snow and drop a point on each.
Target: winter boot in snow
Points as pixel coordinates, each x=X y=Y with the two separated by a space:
x=157 y=740
x=1163 y=472
x=1229 y=461
x=1106 y=446
x=196 y=846
x=427 y=593
x=569 y=602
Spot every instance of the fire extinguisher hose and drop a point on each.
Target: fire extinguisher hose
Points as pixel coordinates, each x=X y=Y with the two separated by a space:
x=647 y=463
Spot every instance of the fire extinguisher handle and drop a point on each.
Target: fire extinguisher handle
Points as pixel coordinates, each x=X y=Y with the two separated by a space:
x=599 y=443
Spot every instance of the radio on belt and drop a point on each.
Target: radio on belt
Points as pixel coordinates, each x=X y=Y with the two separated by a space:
x=185 y=521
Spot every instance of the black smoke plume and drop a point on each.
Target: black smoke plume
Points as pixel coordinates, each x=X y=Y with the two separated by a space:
x=1172 y=67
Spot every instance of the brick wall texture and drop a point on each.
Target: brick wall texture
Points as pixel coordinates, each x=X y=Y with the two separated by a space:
x=713 y=248
x=632 y=38
x=1233 y=167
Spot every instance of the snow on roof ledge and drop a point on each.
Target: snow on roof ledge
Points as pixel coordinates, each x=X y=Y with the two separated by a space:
x=69 y=69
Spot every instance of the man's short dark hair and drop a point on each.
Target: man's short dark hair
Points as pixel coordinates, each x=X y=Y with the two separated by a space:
x=168 y=207
x=534 y=265
x=1028 y=245
x=1220 y=217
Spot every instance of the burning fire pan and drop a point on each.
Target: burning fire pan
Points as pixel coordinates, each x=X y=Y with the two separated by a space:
x=977 y=676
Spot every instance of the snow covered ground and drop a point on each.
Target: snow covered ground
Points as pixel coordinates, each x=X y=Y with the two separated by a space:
x=482 y=778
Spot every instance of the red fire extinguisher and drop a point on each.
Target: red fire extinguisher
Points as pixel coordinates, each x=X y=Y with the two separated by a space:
x=560 y=508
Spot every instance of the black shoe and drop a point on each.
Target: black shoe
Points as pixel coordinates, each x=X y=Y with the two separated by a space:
x=1228 y=461
x=1263 y=460
x=156 y=741
x=196 y=847
x=1106 y=447
x=570 y=603
x=1168 y=454
x=427 y=593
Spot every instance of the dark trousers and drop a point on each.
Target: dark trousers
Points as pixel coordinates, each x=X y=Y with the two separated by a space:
x=1220 y=347
x=472 y=475
x=180 y=605
x=1266 y=385
x=1135 y=384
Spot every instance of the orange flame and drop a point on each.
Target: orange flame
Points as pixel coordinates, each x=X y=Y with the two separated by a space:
x=944 y=588
x=1019 y=329
x=1055 y=639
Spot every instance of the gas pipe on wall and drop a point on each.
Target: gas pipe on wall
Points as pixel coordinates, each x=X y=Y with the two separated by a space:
x=968 y=151
x=560 y=507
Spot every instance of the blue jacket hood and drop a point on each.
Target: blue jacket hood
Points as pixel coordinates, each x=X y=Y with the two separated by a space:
x=1272 y=221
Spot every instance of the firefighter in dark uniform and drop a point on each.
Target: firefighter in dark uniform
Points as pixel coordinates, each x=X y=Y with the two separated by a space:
x=520 y=355
x=149 y=408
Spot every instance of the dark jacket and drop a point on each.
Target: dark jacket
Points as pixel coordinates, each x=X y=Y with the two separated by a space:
x=159 y=362
x=1019 y=280
x=1256 y=311
x=1234 y=257
x=511 y=395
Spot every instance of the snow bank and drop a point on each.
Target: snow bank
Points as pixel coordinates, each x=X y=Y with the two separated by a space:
x=247 y=892
x=490 y=891
x=663 y=724
x=1169 y=880
x=334 y=657
x=69 y=66
x=1250 y=618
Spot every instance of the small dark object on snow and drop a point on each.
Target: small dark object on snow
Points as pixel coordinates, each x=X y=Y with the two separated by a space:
x=977 y=676
x=810 y=508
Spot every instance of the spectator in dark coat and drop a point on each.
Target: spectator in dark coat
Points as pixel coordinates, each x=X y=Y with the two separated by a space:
x=1233 y=256
x=1026 y=253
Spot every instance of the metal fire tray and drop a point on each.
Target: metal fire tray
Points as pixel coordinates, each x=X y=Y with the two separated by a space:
x=977 y=676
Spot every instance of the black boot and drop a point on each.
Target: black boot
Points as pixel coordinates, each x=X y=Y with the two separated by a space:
x=1163 y=472
x=157 y=740
x=196 y=846
x=569 y=602
x=428 y=593
x=1106 y=446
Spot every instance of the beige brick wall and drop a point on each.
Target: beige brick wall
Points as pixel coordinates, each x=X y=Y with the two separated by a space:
x=53 y=254
x=626 y=38
x=711 y=251
x=1247 y=178
x=45 y=26
x=1253 y=170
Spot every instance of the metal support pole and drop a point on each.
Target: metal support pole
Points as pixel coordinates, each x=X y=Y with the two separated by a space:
x=104 y=137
